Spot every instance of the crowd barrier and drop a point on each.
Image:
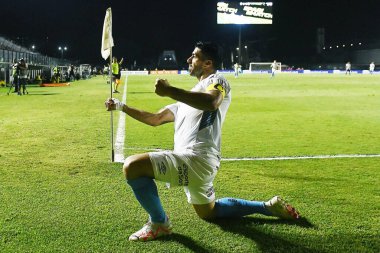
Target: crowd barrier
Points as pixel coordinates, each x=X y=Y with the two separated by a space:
x=308 y=71
x=303 y=71
x=154 y=72
x=137 y=72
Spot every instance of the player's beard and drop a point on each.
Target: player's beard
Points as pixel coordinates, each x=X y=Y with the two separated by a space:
x=195 y=71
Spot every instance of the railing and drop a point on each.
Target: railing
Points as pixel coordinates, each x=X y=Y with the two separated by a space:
x=37 y=63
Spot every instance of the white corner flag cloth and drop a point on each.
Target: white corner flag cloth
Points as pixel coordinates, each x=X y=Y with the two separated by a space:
x=107 y=40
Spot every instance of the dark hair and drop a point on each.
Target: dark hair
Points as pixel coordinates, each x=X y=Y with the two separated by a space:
x=210 y=51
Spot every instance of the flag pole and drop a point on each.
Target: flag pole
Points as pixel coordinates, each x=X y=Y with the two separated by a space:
x=110 y=78
x=106 y=51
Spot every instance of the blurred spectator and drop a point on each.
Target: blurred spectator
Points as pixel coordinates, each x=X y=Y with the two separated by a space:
x=15 y=75
x=71 y=73
x=56 y=75
x=116 y=73
x=22 y=76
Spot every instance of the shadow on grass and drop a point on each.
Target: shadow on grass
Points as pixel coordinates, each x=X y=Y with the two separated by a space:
x=249 y=227
x=186 y=242
x=301 y=222
x=43 y=94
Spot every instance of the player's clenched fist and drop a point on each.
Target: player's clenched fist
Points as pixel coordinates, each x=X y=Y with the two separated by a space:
x=162 y=87
x=114 y=104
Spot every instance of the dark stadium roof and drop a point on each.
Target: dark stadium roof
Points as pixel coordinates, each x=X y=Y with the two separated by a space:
x=143 y=29
x=10 y=45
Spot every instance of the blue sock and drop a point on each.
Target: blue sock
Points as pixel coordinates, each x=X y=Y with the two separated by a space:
x=230 y=207
x=145 y=190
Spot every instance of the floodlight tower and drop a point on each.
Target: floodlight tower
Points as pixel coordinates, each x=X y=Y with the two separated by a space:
x=246 y=56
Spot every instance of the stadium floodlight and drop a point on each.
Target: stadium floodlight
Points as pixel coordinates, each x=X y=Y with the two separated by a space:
x=62 y=49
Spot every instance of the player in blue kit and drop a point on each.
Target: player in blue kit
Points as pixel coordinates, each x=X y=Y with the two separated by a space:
x=198 y=116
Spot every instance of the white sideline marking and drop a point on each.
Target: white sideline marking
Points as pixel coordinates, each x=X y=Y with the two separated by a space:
x=120 y=134
x=272 y=158
x=300 y=157
x=147 y=149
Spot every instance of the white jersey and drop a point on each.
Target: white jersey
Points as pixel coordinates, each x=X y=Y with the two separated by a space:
x=199 y=130
x=372 y=67
x=273 y=66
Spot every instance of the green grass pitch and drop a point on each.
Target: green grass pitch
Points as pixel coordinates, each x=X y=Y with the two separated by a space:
x=59 y=192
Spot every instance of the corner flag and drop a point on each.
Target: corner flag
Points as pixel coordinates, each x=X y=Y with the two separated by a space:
x=107 y=40
x=106 y=51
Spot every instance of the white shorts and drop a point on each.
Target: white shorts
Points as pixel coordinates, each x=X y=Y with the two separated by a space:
x=193 y=171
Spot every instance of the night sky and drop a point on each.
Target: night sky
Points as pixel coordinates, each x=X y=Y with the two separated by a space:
x=143 y=29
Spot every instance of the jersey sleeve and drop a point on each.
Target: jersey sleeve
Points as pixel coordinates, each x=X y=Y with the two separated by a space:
x=173 y=108
x=219 y=83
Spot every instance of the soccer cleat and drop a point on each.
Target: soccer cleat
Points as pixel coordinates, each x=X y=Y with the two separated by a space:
x=151 y=231
x=278 y=207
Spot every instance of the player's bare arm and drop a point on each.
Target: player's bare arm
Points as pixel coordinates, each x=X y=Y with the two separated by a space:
x=153 y=119
x=206 y=101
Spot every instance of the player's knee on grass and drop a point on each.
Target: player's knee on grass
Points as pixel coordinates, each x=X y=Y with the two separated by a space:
x=205 y=212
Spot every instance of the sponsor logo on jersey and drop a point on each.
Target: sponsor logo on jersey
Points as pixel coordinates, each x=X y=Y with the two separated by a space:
x=183 y=175
x=161 y=168
x=210 y=191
